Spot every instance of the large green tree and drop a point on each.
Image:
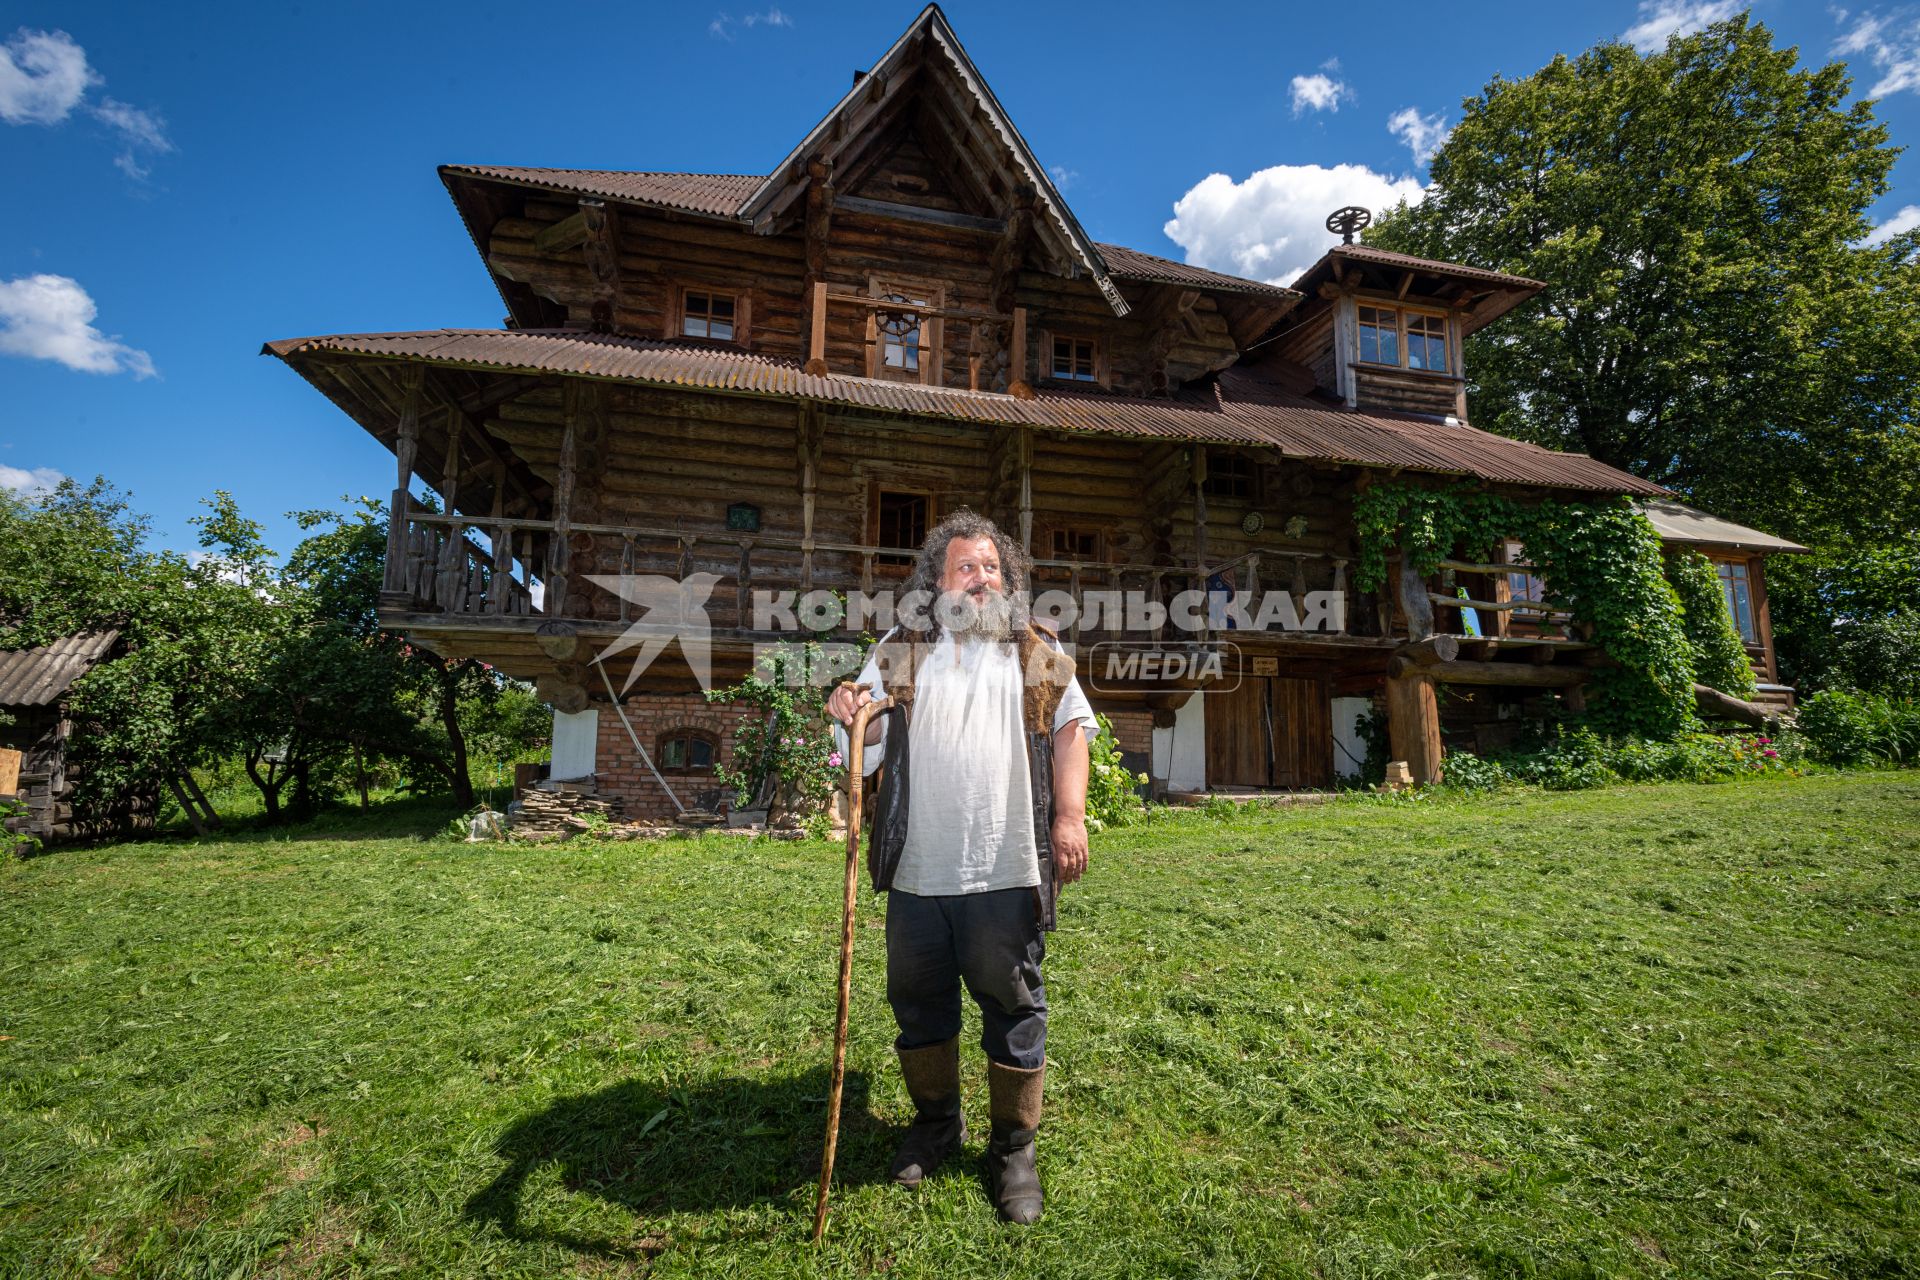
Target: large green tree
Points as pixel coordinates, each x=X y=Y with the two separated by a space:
x=1714 y=318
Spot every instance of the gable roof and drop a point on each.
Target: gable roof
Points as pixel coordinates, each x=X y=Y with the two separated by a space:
x=929 y=48
x=40 y=676
x=1689 y=526
x=1238 y=406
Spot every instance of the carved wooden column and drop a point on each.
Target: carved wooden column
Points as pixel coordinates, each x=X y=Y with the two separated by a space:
x=559 y=542
x=1413 y=725
x=394 y=590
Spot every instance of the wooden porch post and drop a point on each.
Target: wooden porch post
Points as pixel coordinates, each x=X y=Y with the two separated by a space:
x=1413 y=725
x=394 y=592
x=1026 y=489
x=1200 y=529
x=559 y=542
x=811 y=431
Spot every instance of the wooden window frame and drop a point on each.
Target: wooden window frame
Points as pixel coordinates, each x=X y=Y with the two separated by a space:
x=694 y=734
x=932 y=371
x=742 y=312
x=1400 y=312
x=898 y=561
x=1750 y=634
x=1100 y=375
x=1253 y=477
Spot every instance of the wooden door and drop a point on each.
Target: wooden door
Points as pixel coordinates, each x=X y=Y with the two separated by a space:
x=1271 y=731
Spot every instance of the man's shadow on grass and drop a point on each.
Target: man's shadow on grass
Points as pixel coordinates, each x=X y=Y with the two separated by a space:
x=656 y=1150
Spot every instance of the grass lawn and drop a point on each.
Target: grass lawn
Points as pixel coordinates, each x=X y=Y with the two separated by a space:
x=1642 y=1031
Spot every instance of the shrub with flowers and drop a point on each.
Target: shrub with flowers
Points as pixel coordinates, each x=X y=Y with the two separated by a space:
x=1111 y=796
x=784 y=736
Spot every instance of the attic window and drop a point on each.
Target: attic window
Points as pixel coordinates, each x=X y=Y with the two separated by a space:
x=706 y=314
x=1076 y=359
x=1403 y=338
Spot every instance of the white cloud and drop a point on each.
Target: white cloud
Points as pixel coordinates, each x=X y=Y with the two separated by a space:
x=140 y=131
x=1423 y=135
x=1891 y=42
x=1662 y=19
x=43 y=76
x=47 y=317
x=1319 y=92
x=1062 y=176
x=1272 y=226
x=29 y=483
x=723 y=23
x=1908 y=219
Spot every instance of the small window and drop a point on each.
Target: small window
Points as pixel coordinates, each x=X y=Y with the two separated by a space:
x=1739 y=592
x=1426 y=343
x=686 y=751
x=901 y=521
x=1379 y=335
x=1524 y=586
x=706 y=314
x=1076 y=544
x=1229 y=475
x=1074 y=360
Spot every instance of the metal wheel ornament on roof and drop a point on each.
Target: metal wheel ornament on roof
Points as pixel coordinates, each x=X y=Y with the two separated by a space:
x=1348 y=222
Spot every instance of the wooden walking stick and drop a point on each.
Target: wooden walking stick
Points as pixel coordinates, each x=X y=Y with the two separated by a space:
x=856 y=750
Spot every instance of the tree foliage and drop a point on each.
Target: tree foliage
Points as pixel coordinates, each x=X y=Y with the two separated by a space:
x=1714 y=320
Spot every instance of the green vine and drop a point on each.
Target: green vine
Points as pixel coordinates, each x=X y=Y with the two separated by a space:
x=1600 y=560
x=1719 y=655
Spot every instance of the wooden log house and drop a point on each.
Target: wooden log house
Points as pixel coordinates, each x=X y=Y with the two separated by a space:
x=36 y=729
x=781 y=380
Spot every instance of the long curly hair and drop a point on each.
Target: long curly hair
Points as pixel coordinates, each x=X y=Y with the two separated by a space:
x=1015 y=569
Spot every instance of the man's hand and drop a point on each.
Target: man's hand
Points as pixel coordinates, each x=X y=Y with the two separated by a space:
x=845 y=700
x=1069 y=848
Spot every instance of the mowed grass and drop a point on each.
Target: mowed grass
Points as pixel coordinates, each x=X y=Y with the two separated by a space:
x=1643 y=1031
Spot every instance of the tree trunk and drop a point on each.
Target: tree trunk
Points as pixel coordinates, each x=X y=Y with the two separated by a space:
x=269 y=787
x=360 y=775
x=450 y=717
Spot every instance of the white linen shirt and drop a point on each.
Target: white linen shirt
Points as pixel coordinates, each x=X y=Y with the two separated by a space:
x=970 y=812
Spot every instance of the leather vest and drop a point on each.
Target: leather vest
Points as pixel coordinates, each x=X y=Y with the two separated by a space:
x=1046 y=673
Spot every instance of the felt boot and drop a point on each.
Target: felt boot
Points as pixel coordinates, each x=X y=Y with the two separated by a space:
x=1015 y=1108
x=933 y=1082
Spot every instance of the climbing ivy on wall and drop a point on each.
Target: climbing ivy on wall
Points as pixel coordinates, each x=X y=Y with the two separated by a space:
x=1719 y=655
x=1601 y=560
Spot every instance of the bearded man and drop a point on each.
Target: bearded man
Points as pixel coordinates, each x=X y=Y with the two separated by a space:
x=988 y=737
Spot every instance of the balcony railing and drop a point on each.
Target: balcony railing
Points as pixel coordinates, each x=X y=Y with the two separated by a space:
x=443 y=570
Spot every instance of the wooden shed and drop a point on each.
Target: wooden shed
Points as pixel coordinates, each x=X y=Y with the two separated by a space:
x=34 y=688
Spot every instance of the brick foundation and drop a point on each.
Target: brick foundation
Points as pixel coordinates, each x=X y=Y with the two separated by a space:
x=620 y=772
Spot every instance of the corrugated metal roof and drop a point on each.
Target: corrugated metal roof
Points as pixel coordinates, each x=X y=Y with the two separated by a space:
x=1131 y=264
x=1389 y=258
x=1237 y=407
x=721 y=194
x=37 y=677
x=718 y=194
x=1677 y=522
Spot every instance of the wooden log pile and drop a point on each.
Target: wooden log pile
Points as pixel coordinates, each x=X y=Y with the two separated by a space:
x=561 y=812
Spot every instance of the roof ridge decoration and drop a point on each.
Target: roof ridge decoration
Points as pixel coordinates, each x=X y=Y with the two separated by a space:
x=782 y=186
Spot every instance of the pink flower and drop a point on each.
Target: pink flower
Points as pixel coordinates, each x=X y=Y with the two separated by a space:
x=833 y=760
x=1771 y=754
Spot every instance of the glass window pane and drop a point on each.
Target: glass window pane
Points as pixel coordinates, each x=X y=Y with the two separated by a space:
x=694 y=326
x=721 y=329
x=720 y=308
x=700 y=754
x=673 y=753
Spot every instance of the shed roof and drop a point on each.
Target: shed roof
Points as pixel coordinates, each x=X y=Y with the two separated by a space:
x=1237 y=406
x=1677 y=522
x=1492 y=293
x=38 y=677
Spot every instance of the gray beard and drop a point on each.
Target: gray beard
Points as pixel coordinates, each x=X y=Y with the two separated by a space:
x=986 y=617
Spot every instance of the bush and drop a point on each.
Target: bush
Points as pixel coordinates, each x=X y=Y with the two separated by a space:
x=1111 y=798
x=1579 y=759
x=1844 y=726
x=1719 y=655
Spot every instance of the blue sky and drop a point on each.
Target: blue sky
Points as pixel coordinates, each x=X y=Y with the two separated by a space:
x=185 y=183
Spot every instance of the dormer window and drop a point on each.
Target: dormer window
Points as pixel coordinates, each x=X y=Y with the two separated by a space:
x=1076 y=359
x=709 y=313
x=1404 y=338
x=904 y=330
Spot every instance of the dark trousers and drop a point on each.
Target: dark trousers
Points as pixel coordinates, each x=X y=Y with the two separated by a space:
x=991 y=942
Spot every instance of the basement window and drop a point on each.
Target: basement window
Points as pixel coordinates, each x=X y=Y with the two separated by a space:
x=685 y=751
